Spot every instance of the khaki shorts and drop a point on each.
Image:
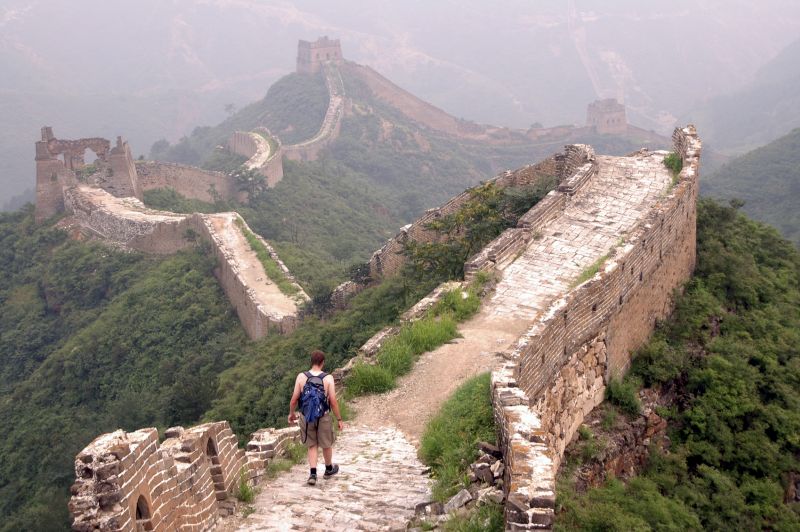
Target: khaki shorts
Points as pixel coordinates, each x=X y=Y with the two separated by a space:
x=321 y=435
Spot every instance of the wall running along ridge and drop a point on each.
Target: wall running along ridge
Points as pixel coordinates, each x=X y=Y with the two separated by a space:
x=128 y=481
x=260 y=157
x=188 y=181
x=559 y=371
x=126 y=222
x=309 y=150
x=390 y=259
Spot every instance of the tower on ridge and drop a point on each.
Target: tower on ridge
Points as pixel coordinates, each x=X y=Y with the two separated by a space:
x=312 y=55
x=607 y=116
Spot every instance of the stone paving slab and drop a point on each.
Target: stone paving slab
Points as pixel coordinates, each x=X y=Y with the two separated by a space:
x=593 y=223
x=380 y=482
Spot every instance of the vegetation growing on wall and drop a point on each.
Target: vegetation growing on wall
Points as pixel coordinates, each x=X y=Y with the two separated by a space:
x=730 y=356
x=272 y=269
x=487 y=213
x=399 y=353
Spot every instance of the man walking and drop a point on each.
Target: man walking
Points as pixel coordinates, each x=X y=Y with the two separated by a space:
x=315 y=390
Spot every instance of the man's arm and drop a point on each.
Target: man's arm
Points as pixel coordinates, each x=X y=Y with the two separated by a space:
x=332 y=400
x=298 y=388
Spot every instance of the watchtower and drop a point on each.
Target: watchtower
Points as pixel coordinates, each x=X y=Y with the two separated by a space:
x=312 y=55
x=607 y=116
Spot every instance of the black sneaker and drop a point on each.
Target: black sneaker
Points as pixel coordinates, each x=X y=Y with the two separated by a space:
x=330 y=472
x=312 y=479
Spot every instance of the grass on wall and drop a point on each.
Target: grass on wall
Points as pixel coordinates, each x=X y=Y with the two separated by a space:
x=271 y=267
x=448 y=444
x=399 y=353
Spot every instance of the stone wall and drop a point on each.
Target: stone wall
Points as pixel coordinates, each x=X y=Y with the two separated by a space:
x=310 y=149
x=607 y=116
x=561 y=366
x=312 y=56
x=254 y=146
x=389 y=260
x=188 y=181
x=136 y=228
x=257 y=319
x=127 y=481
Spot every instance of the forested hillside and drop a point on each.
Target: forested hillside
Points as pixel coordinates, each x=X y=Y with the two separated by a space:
x=728 y=363
x=91 y=340
x=767 y=179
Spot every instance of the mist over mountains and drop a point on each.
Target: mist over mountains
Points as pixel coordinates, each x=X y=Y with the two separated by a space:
x=151 y=70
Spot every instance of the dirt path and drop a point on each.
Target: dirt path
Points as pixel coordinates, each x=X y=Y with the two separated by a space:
x=437 y=374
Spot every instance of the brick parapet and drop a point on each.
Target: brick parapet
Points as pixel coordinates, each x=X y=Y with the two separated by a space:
x=389 y=260
x=175 y=483
x=189 y=181
x=560 y=367
x=574 y=169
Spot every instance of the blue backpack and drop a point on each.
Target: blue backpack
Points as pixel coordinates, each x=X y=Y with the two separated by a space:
x=313 y=401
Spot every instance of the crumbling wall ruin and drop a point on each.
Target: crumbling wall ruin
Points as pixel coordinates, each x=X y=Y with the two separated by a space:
x=127 y=481
x=188 y=181
x=60 y=164
x=559 y=370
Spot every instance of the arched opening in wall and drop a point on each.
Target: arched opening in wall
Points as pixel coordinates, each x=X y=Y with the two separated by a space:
x=143 y=515
x=214 y=466
x=89 y=157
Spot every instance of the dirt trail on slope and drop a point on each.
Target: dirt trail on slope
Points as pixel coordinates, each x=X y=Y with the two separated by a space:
x=436 y=375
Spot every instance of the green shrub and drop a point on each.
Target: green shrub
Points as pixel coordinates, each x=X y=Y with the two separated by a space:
x=674 y=162
x=244 y=491
x=624 y=395
x=448 y=444
x=368 y=378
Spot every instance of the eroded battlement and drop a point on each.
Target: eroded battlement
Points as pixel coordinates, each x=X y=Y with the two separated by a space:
x=130 y=481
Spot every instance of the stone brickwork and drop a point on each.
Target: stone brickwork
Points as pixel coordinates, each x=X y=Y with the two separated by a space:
x=128 y=481
x=559 y=370
x=313 y=56
x=389 y=260
x=261 y=306
x=188 y=181
x=59 y=164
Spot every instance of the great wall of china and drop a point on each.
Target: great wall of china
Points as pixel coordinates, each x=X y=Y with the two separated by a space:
x=103 y=200
x=551 y=339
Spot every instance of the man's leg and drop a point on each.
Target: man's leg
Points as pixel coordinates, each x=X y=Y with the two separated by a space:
x=327 y=454
x=312 y=456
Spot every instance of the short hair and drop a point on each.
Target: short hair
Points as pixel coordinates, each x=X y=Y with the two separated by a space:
x=317 y=358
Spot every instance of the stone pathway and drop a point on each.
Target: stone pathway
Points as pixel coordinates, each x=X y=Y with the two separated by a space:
x=264 y=290
x=381 y=482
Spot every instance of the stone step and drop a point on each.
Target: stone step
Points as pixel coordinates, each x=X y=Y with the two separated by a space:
x=221 y=495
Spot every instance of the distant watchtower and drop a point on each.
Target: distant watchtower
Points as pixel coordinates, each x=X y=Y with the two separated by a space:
x=312 y=55
x=607 y=116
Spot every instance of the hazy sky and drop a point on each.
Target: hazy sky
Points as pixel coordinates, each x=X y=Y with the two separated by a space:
x=153 y=68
